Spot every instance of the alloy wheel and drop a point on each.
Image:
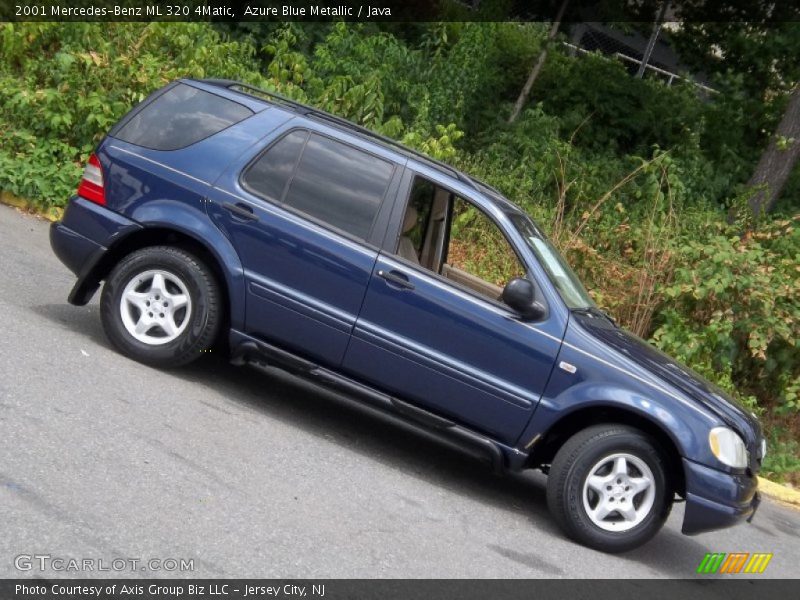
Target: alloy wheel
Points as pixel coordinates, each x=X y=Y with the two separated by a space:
x=155 y=307
x=619 y=492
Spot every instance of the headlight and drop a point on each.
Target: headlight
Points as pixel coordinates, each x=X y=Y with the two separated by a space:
x=728 y=447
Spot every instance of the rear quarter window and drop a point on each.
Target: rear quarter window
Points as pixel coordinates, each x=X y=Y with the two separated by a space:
x=181 y=116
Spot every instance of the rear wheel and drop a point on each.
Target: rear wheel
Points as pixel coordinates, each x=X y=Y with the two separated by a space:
x=608 y=488
x=160 y=306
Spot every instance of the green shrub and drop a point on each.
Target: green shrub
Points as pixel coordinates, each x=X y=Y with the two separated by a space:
x=65 y=84
x=733 y=311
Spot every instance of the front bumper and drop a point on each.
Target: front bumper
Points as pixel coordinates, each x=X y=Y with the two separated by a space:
x=715 y=499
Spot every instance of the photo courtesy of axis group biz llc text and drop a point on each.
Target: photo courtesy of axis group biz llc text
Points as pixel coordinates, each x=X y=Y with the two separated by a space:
x=172 y=589
x=399 y=299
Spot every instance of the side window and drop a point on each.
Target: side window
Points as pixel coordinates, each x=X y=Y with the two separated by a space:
x=478 y=247
x=339 y=185
x=449 y=236
x=269 y=175
x=180 y=117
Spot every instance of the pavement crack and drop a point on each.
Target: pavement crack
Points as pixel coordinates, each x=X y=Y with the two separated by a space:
x=196 y=467
x=50 y=510
x=534 y=561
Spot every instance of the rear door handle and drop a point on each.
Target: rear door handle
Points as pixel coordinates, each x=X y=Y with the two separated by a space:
x=396 y=278
x=240 y=210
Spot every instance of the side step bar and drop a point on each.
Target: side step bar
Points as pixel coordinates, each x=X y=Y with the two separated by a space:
x=260 y=354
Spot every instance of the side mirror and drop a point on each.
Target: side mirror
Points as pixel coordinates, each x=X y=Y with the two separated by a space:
x=520 y=295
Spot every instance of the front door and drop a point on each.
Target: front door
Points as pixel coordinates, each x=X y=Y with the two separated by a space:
x=433 y=328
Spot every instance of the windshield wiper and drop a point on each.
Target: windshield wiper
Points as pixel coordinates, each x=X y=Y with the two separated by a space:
x=593 y=310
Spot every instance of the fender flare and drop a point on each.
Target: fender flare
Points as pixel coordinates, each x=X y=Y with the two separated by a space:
x=687 y=435
x=178 y=217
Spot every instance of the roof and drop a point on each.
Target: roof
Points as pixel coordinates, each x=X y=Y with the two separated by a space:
x=306 y=110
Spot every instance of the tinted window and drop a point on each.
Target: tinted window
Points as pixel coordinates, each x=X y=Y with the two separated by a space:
x=339 y=185
x=269 y=174
x=181 y=116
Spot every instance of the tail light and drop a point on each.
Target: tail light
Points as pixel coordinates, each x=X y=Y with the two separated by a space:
x=91 y=186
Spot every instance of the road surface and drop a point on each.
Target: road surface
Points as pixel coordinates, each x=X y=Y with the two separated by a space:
x=245 y=474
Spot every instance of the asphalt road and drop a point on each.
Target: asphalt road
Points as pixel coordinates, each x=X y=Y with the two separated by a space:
x=256 y=475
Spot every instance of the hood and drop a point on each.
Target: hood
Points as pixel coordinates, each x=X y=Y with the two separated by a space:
x=675 y=375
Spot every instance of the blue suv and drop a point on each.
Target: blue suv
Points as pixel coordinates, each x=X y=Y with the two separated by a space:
x=215 y=211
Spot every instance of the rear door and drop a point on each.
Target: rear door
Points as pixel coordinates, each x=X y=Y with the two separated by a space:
x=304 y=215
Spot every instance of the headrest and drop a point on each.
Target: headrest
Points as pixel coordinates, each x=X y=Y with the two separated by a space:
x=410 y=219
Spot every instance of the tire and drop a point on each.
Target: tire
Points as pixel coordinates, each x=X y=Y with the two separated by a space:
x=611 y=469
x=160 y=306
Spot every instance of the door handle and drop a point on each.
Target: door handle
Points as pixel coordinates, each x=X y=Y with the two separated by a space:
x=240 y=210
x=396 y=278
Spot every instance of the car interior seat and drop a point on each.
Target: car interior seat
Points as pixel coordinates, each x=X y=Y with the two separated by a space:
x=406 y=247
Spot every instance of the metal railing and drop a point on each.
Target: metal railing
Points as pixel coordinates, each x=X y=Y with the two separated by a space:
x=669 y=75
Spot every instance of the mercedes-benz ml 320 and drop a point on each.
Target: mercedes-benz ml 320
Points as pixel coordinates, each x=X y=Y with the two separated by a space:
x=215 y=209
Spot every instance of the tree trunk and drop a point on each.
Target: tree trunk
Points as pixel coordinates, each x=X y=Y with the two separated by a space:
x=526 y=89
x=778 y=159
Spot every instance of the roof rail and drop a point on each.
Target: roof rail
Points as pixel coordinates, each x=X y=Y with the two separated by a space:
x=310 y=111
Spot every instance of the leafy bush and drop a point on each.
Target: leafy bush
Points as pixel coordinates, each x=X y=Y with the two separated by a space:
x=624 y=113
x=64 y=85
x=733 y=313
x=783 y=455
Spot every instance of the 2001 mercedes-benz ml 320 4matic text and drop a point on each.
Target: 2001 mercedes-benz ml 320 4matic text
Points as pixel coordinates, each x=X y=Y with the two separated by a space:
x=216 y=209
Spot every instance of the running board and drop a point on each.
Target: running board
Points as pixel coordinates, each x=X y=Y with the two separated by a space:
x=259 y=354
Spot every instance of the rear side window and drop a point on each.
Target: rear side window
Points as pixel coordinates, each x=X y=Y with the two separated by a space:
x=333 y=182
x=181 y=116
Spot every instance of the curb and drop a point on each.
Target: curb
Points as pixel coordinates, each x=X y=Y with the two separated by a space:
x=779 y=492
x=53 y=213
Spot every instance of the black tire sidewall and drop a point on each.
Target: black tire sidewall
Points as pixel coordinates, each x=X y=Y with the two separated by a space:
x=576 y=468
x=203 y=318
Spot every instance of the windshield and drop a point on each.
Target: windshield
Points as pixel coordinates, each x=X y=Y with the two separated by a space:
x=567 y=283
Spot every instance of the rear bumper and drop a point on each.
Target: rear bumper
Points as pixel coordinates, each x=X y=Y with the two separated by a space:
x=82 y=238
x=715 y=499
x=73 y=249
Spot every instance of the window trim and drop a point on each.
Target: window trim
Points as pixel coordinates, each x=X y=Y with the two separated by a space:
x=251 y=163
x=119 y=127
x=368 y=239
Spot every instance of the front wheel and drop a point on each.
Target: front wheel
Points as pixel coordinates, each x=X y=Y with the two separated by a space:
x=608 y=488
x=160 y=306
